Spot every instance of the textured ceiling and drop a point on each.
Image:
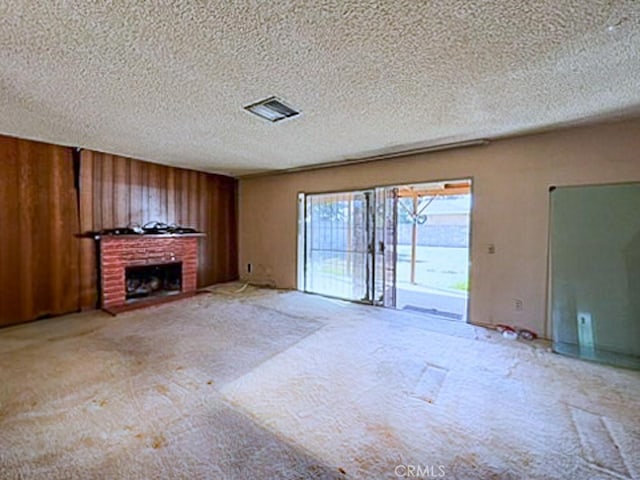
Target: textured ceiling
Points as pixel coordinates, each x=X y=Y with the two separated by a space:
x=166 y=81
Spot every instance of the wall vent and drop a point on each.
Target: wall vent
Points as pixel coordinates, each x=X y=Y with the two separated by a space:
x=272 y=109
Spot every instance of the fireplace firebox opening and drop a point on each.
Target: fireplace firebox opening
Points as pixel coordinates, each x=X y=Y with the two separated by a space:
x=153 y=281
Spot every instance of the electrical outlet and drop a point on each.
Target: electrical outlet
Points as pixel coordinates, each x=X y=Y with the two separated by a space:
x=518 y=304
x=248 y=268
x=491 y=249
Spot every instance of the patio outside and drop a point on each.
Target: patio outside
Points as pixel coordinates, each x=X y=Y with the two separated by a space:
x=441 y=276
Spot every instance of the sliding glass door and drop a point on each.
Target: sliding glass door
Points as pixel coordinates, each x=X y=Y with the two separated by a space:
x=386 y=240
x=345 y=243
x=338 y=240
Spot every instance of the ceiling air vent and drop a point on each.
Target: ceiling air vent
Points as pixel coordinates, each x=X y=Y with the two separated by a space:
x=272 y=109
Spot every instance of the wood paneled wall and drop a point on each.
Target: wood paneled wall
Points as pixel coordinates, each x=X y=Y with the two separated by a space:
x=46 y=269
x=117 y=191
x=38 y=219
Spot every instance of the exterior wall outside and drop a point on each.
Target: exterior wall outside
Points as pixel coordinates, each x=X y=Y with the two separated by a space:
x=433 y=234
x=511 y=180
x=448 y=219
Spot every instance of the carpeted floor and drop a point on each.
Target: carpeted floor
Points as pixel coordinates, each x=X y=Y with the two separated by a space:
x=269 y=385
x=137 y=396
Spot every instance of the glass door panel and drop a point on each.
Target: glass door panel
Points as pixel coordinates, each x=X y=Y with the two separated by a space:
x=595 y=273
x=338 y=245
x=386 y=220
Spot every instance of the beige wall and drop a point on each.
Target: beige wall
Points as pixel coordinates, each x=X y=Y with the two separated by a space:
x=510 y=208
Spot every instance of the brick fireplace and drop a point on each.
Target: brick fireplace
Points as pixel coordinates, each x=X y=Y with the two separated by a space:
x=139 y=270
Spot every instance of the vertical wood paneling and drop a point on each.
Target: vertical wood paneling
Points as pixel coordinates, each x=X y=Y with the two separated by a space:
x=213 y=216
x=192 y=215
x=27 y=185
x=184 y=197
x=203 y=247
x=97 y=189
x=57 y=252
x=88 y=269
x=171 y=195
x=135 y=192
x=127 y=191
x=38 y=207
x=10 y=233
x=107 y=206
x=156 y=194
x=228 y=225
x=144 y=211
x=46 y=269
x=120 y=189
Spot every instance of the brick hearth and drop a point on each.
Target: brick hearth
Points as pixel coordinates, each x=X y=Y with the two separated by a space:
x=117 y=252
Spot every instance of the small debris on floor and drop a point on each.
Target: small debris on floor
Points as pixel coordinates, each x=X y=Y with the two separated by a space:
x=158 y=441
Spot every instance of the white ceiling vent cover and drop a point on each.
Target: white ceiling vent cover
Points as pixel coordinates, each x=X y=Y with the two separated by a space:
x=272 y=109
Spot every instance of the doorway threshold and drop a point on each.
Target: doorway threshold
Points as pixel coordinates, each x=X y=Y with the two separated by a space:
x=434 y=312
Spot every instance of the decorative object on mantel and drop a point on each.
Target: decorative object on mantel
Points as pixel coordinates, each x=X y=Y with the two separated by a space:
x=150 y=228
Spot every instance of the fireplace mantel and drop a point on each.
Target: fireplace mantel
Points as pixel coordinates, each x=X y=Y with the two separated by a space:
x=151 y=235
x=117 y=252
